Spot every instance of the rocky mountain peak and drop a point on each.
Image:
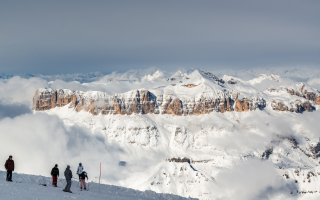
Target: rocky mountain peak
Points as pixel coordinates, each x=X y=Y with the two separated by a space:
x=196 y=93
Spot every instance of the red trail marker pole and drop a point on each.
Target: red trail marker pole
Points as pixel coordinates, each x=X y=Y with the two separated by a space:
x=100 y=173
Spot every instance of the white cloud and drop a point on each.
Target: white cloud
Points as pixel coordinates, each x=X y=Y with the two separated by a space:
x=314 y=82
x=21 y=90
x=254 y=179
x=38 y=141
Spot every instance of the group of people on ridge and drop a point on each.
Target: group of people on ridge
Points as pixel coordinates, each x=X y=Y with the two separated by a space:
x=68 y=175
x=9 y=165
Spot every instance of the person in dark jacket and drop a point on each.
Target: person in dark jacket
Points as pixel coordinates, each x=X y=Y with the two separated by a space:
x=83 y=177
x=68 y=175
x=55 y=174
x=9 y=167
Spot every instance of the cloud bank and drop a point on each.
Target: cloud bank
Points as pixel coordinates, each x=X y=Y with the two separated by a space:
x=254 y=179
x=38 y=141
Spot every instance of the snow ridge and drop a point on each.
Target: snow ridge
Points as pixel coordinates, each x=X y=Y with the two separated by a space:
x=32 y=187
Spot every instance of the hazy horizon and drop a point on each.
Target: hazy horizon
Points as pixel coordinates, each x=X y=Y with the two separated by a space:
x=52 y=37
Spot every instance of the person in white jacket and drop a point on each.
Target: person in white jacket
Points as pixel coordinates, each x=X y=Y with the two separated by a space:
x=80 y=170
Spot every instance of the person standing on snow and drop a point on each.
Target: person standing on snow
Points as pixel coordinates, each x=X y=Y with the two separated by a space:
x=80 y=170
x=9 y=167
x=83 y=176
x=55 y=174
x=68 y=175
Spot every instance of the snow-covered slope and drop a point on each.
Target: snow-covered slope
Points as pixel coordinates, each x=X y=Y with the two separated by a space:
x=213 y=143
x=27 y=187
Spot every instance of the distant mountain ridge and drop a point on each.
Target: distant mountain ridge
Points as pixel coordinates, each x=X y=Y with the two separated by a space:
x=186 y=94
x=297 y=73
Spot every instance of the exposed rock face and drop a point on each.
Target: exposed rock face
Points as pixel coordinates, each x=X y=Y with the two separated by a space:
x=307 y=100
x=212 y=76
x=304 y=93
x=179 y=160
x=275 y=78
x=248 y=105
x=218 y=98
x=267 y=153
x=232 y=81
x=297 y=107
x=190 y=85
x=241 y=106
x=141 y=101
x=315 y=150
x=280 y=107
x=180 y=137
x=47 y=99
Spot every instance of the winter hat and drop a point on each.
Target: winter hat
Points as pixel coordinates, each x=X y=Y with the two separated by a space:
x=56 y=165
x=80 y=164
x=68 y=166
x=10 y=156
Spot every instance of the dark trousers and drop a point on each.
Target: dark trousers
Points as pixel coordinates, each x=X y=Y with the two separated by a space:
x=54 y=180
x=68 y=186
x=9 y=175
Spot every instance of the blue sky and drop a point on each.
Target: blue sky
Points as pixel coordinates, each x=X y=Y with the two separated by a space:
x=84 y=36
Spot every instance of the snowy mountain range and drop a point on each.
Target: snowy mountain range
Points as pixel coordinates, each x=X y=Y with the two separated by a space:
x=186 y=94
x=191 y=133
x=299 y=73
